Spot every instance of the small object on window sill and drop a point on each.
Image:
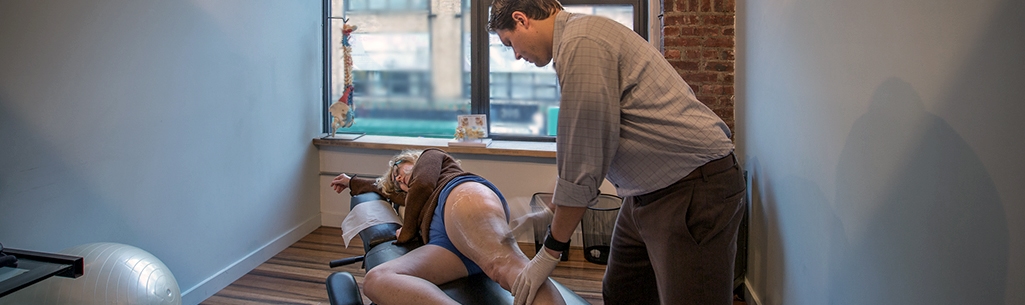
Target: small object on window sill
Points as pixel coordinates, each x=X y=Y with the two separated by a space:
x=471 y=131
x=484 y=142
x=348 y=136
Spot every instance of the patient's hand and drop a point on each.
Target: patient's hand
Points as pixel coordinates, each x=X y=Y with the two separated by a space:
x=340 y=183
x=397 y=232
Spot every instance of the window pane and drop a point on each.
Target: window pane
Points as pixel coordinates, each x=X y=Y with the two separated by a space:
x=412 y=69
x=499 y=85
x=418 y=4
x=357 y=5
x=396 y=4
x=530 y=92
x=377 y=4
x=408 y=71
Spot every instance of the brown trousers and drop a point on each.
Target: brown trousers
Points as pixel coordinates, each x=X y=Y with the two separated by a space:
x=677 y=245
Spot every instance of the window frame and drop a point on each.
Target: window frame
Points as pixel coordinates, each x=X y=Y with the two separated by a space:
x=480 y=97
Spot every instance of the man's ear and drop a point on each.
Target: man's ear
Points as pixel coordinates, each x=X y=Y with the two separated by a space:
x=520 y=18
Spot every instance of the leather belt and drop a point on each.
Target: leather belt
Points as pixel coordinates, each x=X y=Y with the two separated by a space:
x=712 y=167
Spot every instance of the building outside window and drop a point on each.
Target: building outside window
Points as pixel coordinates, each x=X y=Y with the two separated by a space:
x=413 y=71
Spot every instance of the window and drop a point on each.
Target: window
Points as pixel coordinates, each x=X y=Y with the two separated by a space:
x=417 y=65
x=385 y=5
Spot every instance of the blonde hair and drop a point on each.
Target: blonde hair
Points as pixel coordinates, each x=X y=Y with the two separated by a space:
x=387 y=181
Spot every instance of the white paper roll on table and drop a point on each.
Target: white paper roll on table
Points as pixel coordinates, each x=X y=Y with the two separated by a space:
x=365 y=215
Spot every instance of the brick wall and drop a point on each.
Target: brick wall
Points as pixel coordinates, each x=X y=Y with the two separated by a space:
x=699 y=41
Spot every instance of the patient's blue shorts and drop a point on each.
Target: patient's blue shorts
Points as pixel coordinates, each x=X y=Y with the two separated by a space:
x=438 y=234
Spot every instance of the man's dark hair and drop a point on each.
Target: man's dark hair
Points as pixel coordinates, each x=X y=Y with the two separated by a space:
x=501 y=12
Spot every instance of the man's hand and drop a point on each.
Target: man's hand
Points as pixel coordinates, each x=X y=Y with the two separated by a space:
x=533 y=276
x=340 y=183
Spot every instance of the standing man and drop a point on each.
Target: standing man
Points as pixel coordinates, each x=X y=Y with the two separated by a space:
x=627 y=115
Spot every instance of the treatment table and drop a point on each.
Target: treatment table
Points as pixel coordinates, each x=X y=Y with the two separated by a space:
x=380 y=247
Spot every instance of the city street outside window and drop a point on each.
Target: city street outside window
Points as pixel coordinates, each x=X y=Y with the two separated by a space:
x=413 y=69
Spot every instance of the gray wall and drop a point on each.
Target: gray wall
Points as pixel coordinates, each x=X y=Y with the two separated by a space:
x=884 y=141
x=180 y=127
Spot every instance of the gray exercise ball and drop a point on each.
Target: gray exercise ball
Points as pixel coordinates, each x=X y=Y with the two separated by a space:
x=114 y=274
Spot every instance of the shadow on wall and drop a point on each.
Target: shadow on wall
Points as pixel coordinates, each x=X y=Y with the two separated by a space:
x=803 y=219
x=921 y=212
x=763 y=215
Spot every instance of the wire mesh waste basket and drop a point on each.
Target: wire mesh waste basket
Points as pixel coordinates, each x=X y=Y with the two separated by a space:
x=596 y=227
x=537 y=204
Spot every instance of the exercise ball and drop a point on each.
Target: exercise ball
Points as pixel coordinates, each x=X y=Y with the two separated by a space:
x=114 y=274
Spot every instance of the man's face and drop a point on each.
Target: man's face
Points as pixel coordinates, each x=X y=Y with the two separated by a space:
x=526 y=44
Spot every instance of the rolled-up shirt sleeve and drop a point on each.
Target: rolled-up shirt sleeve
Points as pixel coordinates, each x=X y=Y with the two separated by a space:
x=589 y=110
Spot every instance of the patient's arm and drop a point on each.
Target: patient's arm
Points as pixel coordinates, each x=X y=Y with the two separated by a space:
x=361 y=185
x=340 y=183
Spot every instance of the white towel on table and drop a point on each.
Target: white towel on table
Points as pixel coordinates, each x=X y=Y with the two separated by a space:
x=365 y=215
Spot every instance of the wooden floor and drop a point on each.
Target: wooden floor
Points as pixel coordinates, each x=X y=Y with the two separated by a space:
x=297 y=274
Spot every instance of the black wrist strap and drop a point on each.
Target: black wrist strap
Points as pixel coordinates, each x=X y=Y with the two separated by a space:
x=553 y=244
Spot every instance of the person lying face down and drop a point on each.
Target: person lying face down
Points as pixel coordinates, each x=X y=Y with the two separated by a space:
x=463 y=220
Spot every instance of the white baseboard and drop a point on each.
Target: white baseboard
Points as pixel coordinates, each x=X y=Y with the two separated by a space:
x=750 y=296
x=228 y=275
x=331 y=219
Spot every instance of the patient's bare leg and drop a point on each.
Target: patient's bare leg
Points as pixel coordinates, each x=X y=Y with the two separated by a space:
x=413 y=277
x=475 y=221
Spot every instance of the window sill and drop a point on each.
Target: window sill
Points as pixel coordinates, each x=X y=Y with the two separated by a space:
x=501 y=148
